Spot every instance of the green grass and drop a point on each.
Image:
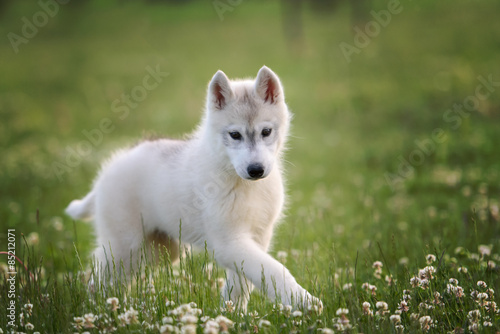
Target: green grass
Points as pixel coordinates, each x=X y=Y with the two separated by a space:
x=353 y=122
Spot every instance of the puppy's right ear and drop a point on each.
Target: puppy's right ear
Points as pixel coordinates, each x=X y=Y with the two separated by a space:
x=219 y=91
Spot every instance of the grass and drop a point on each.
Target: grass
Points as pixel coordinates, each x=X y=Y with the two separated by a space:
x=354 y=123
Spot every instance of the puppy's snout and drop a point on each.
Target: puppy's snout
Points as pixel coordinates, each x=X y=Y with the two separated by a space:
x=255 y=171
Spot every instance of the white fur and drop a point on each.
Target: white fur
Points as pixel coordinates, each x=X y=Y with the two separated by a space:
x=204 y=184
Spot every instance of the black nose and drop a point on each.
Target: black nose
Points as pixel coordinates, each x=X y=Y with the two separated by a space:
x=255 y=171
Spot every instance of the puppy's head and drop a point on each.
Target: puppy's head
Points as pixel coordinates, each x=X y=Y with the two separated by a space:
x=250 y=121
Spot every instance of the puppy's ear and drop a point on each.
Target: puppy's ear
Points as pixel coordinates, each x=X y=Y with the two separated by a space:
x=268 y=86
x=219 y=91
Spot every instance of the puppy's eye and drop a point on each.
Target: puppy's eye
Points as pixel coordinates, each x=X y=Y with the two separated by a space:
x=235 y=135
x=266 y=132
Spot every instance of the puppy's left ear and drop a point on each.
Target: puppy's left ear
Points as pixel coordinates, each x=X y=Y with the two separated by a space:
x=268 y=86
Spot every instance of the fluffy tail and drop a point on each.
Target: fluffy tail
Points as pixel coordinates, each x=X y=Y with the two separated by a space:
x=82 y=209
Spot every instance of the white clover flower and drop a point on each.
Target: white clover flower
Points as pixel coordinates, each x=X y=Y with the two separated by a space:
x=347 y=286
x=430 y=258
x=424 y=283
x=211 y=327
x=490 y=306
x=474 y=327
x=224 y=322
x=33 y=239
x=427 y=273
x=484 y=250
x=263 y=323
x=123 y=319
x=482 y=284
x=343 y=320
x=278 y=307
x=425 y=323
x=474 y=256
x=29 y=326
x=474 y=316
x=342 y=311
x=414 y=281
x=481 y=298
x=369 y=288
x=296 y=314
x=114 y=303
x=326 y=330
x=78 y=322
x=229 y=306
x=453 y=281
x=463 y=270
x=89 y=319
x=131 y=316
x=399 y=329
x=188 y=329
x=389 y=280
x=458 y=291
x=382 y=305
x=395 y=319
x=28 y=308
x=168 y=329
x=189 y=319
x=403 y=306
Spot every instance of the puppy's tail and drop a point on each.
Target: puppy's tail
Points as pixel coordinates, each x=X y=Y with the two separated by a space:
x=82 y=209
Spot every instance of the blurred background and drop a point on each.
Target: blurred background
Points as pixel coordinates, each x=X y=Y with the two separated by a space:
x=396 y=112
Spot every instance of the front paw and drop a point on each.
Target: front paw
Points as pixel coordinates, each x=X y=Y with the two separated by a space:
x=312 y=304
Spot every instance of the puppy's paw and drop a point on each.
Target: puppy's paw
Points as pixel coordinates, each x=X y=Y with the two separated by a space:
x=313 y=304
x=309 y=303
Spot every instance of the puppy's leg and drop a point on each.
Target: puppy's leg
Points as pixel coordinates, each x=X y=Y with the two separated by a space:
x=237 y=289
x=115 y=259
x=160 y=243
x=263 y=271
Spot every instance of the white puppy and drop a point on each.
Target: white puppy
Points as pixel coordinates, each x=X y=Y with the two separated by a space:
x=222 y=187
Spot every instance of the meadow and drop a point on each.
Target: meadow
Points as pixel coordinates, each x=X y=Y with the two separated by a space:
x=393 y=165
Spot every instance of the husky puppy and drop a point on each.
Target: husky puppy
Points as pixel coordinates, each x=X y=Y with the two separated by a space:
x=223 y=187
